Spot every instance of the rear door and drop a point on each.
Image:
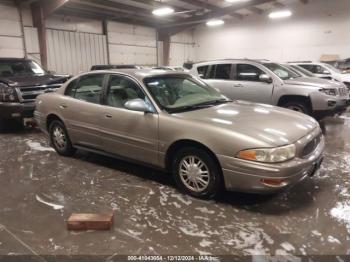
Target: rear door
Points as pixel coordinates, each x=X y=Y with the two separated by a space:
x=128 y=133
x=81 y=109
x=248 y=86
x=219 y=76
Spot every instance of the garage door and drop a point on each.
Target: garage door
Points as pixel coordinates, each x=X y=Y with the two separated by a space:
x=130 y=44
x=11 y=40
x=73 y=53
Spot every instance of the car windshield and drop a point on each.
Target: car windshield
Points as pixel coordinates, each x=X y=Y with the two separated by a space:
x=181 y=93
x=20 y=68
x=332 y=68
x=281 y=71
x=302 y=70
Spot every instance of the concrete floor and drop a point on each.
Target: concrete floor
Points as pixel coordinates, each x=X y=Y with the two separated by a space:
x=39 y=190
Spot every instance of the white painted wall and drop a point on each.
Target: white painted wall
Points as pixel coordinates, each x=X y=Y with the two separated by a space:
x=74 y=24
x=11 y=39
x=320 y=27
x=182 y=48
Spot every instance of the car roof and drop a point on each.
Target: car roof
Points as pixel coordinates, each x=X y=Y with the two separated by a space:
x=233 y=60
x=141 y=74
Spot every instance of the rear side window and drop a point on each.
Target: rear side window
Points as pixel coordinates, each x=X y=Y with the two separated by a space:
x=220 y=71
x=202 y=71
x=88 y=88
x=246 y=72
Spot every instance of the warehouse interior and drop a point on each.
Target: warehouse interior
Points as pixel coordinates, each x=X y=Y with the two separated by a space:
x=152 y=218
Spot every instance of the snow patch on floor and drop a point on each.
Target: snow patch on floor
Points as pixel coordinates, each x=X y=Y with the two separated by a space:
x=341 y=212
x=38 y=147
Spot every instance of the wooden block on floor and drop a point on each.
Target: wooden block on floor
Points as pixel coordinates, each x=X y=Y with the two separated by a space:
x=90 y=221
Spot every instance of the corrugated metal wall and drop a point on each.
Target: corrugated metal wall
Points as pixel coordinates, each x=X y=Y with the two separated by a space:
x=11 y=39
x=72 y=52
x=130 y=44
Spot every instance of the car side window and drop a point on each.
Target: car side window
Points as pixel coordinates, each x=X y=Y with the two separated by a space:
x=223 y=71
x=202 y=71
x=122 y=90
x=71 y=88
x=246 y=72
x=311 y=68
x=88 y=88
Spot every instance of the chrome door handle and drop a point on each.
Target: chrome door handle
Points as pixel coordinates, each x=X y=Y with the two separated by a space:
x=108 y=116
x=63 y=106
x=238 y=85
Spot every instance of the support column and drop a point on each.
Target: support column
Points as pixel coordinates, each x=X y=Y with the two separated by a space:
x=39 y=23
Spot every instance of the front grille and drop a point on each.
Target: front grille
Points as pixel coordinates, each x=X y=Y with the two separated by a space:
x=312 y=145
x=342 y=92
x=347 y=84
x=29 y=94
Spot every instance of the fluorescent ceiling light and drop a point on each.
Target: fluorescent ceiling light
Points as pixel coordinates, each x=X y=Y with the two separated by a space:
x=280 y=14
x=163 y=11
x=215 y=22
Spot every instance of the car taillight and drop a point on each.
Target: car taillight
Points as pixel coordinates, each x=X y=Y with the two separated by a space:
x=8 y=94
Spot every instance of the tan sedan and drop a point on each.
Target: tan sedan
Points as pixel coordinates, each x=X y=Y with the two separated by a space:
x=174 y=121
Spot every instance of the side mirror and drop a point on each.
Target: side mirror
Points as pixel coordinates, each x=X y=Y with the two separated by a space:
x=326 y=72
x=50 y=72
x=265 y=78
x=138 y=105
x=201 y=76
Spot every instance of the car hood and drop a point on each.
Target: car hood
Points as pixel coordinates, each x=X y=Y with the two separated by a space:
x=344 y=77
x=313 y=82
x=271 y=125
x=25 y=81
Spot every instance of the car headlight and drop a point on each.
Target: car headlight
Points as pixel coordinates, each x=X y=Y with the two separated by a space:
x=329 y=91
x=8 y=94
x=269 y=155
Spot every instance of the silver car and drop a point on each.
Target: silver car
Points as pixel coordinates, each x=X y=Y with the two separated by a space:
x=263 y=81
x=173 y=121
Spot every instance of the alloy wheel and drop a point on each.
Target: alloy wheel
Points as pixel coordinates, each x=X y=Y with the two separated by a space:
x=194 y=173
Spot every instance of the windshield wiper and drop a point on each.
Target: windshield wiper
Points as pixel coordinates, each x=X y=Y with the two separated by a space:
x=199 y=106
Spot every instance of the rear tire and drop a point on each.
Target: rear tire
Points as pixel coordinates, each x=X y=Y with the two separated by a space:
x=60 y=140
x=298 y=106
x=197 y=173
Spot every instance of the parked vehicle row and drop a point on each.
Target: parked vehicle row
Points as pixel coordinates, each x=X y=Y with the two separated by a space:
x=263 y=81
x=326 y=71
x=21 y=81
x=176 y=122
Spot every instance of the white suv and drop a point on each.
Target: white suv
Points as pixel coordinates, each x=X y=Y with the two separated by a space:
x=327 y=71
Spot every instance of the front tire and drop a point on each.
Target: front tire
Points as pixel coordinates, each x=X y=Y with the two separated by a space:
x=197 y=173
x=60 y=140
x=298 y=106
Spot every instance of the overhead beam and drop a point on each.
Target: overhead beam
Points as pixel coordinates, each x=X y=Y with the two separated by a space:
x=219 y=12
x=50 y=7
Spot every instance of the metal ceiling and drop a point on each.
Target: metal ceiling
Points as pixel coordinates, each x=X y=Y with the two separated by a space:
x=187 y=12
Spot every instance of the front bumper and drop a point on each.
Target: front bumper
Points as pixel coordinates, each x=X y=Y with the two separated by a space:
x=248 y=176
x=16 y=110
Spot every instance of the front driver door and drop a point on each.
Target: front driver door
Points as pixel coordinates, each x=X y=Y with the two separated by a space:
x=127 y=133
x=248 y=86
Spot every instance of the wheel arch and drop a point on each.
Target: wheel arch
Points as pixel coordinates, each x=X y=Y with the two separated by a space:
x=287 y=98
x=177 y=145
x=50 y=118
